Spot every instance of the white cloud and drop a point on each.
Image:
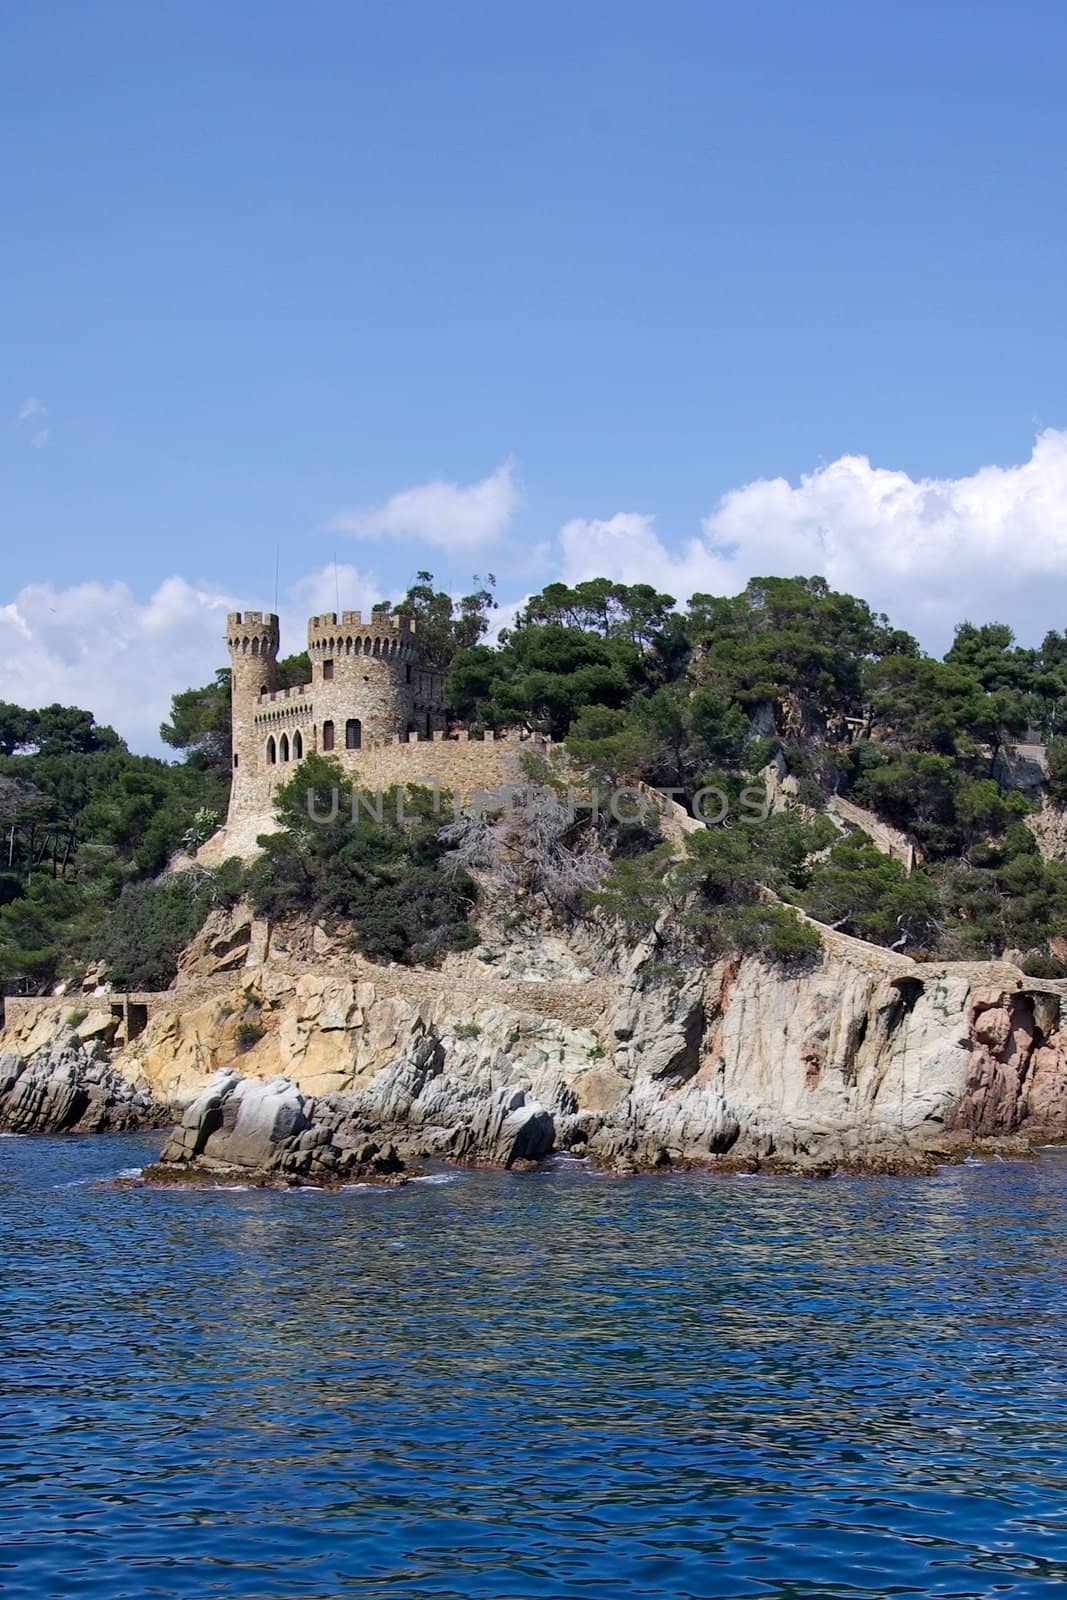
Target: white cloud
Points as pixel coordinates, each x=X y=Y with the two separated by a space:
x=628 y=548
x=455 y=516
x=329 y=588
x=101 y=646
x=97 y=645
x=930 y=551
x=39 y=439
x=31 y=407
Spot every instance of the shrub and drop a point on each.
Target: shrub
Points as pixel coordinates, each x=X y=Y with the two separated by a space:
x=377 y=865
x=150 y=926
x=1039 y=966
x=248 y=1034
x=467 y=1030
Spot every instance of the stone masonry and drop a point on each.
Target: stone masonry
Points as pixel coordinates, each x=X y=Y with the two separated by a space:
x=370 y=703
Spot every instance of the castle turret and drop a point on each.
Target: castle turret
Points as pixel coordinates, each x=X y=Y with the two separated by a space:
x=252 y=637
x=368 y=679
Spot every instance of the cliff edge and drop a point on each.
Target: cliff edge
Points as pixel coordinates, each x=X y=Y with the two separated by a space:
x=575 y=1040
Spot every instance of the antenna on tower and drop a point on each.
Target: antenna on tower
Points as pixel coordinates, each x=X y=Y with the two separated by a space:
x=277 y=568
x=336 y=586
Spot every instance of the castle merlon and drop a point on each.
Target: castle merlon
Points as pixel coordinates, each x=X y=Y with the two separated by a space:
x=250 y=619
x=387 y=622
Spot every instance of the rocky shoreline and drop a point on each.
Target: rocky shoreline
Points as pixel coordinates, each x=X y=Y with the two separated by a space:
x=253 y=1132
x=68 y=1087
x=283 y=1059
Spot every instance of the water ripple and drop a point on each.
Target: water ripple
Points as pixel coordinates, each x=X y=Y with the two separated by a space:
x=508 y=1388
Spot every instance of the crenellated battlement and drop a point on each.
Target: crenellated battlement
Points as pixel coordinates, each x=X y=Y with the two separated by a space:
x=294 y=691
x=380 y=622
x=253 y=633
x=251 y=619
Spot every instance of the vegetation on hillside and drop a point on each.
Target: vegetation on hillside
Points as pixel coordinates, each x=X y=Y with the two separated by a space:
x=375 y=867
x=640 y=691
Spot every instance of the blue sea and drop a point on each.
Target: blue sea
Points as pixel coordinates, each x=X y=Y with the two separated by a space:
x=555 y=1384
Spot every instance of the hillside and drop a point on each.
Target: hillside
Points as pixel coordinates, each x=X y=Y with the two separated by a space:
x=895 y=797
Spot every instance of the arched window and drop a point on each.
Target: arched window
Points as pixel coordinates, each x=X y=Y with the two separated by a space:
x=298 y=746
x=272 y=753
x=284 y=750
x=353 y=733
x=255 y=647
x=327 y=736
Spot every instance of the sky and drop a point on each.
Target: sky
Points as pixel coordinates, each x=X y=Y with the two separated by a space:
x=680 y=293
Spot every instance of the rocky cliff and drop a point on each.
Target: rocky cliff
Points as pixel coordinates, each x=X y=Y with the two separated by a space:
x=549 y=1039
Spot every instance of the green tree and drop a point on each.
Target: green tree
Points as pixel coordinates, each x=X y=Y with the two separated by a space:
x=200 y=723
x=371 y=863
x=444 y=626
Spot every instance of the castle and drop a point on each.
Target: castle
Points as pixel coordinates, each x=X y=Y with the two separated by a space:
x=371 y=703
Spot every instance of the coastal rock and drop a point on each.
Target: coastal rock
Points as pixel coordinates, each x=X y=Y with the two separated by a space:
x=69 y=1088
x=634 y=1055
x=254 y=1132
x=658 y=1018
x=222 y=945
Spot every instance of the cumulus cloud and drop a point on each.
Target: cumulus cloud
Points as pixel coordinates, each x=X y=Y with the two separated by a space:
x=329 y=588
x=628 y=547
x=456 y=516
x=930 y=551
x=101 y=646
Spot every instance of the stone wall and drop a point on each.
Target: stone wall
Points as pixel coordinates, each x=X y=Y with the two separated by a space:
x=456 y=762
x=887 y=839
x=368 y=687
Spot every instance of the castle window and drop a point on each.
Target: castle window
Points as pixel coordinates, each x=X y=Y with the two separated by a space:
x=327 y=736
x=327 y=670
x=429 y=726
x=272 y=752
x=285 y=747
x=353 y=733
x=407 y=674
x=298 y=747
x=255 y=647
x=235 y=758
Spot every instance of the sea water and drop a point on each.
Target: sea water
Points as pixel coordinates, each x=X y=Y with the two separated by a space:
x=554 y=1384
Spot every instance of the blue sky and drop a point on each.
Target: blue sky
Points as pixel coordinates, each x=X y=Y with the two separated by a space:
x=526 y=288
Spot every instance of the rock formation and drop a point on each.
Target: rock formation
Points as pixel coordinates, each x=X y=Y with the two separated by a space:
x=66 y=1087
x=268 y=1131
x=570 y=1039
x=249 y=1131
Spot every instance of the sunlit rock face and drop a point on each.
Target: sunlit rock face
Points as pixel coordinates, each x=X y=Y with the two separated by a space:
x=576 y=1039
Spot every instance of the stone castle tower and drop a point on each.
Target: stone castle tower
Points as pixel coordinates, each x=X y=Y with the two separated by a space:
x=368 y=688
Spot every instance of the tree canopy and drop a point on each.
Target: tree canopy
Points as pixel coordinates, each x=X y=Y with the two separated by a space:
x=639 y=689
